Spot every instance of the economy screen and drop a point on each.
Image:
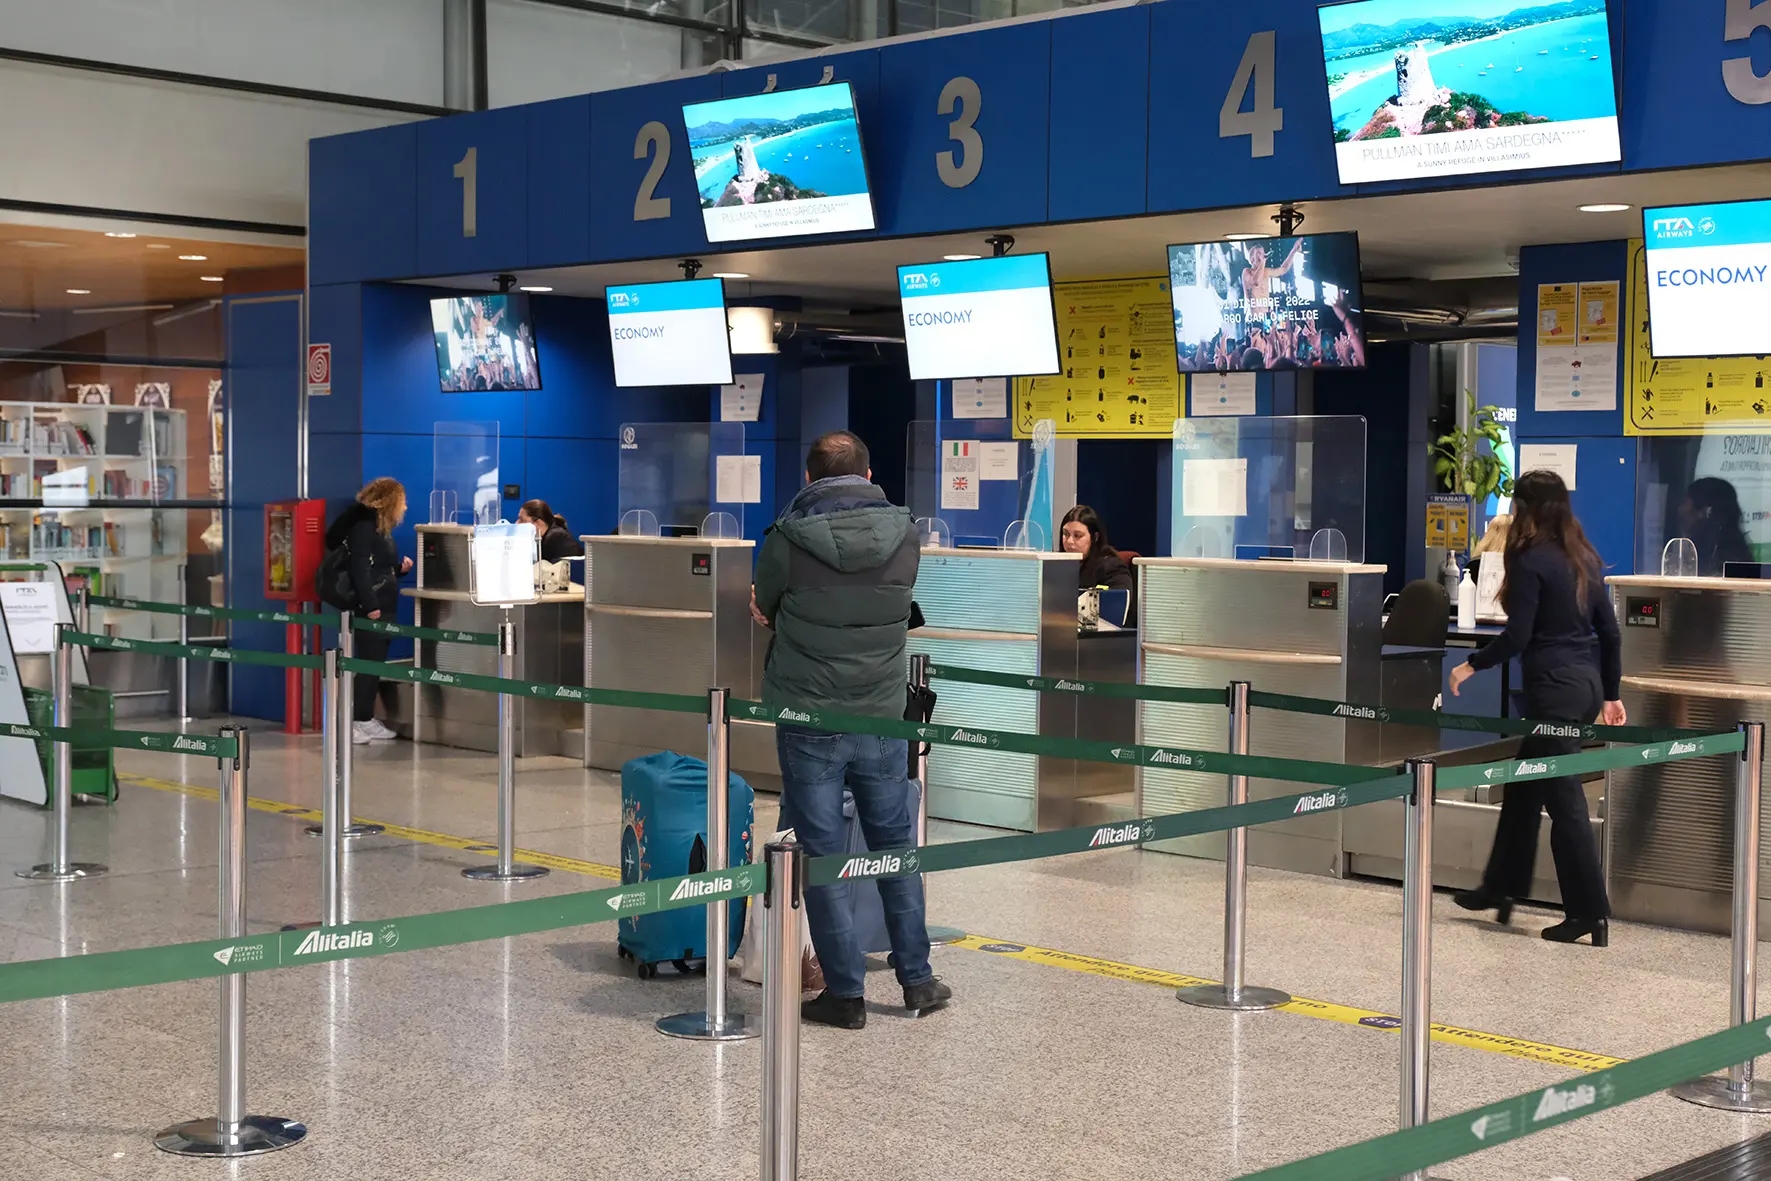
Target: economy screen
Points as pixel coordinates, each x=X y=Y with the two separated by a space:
x=670 y=333
x=985 y=317
x=1270 y=303
x=1424 y=88
x=485 y=342
x=1709 y=279
x=780 y=164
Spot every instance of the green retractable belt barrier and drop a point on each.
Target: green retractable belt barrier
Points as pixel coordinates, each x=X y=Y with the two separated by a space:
x=1552 y=766
x=1468 y=722
x=176 y=744
x=445 y=635
x=166 y=648
x=670 y=702
x=242 y=613
x=1123 y=689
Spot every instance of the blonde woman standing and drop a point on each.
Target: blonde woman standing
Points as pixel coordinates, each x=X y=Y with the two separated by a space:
x=365 y=532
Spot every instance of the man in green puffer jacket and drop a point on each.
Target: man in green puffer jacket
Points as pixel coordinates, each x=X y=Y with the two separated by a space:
x=834 y=580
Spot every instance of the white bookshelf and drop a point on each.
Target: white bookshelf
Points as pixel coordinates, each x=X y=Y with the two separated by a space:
x=60 y=455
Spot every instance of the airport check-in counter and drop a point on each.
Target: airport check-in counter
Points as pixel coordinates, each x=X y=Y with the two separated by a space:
x=1696 y=655
x=1010 y=611
x=671 y=615
x=549 y=638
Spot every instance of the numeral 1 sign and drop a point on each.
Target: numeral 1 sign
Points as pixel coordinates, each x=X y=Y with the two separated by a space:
x=1266 y=119
x=467 y=171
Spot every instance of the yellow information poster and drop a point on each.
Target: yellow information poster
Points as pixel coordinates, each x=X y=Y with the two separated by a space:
x=1116 y=343
x=1448 y=522
x=1688 y=396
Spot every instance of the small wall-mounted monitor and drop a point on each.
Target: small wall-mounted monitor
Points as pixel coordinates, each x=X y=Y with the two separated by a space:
x=983 y=317
x=1709 y=279
x=1269 y=303
x=670 y=333
x=1426 y=88
x=485 y=342
x=779 y=165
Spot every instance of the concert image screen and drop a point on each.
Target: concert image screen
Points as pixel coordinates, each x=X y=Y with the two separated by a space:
x=485 y=342
x=1269 y=303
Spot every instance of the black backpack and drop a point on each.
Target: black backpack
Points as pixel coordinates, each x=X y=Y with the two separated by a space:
x=332 y=582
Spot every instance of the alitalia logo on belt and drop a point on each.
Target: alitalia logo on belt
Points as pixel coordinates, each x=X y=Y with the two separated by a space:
x=1562 y=1100
x=1368 y=713
x=970 y=738
x=1175 y=758
x=1122 y=834
x=1684 y=748
x=1558 y=730
x=183 y=743
x=690 y=888
x=799 y=717
x=437 y=678
x=317 y=942
x=871 y=867
x=1534 y=767
x=1058 y=686
x=1320 y=802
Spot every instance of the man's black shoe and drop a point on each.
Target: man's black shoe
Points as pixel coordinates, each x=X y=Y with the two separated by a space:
x=843 y=1012
x=926 y=997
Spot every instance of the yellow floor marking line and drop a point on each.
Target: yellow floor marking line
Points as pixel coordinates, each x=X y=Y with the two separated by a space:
x=1111 y=969
x=1323 y=1010
x=422 y=836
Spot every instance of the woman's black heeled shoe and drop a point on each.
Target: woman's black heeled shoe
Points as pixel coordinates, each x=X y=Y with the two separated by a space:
x=1482 y=899
x=1573 y=930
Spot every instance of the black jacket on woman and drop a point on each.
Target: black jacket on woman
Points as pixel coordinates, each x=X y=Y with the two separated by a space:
x=374 y=560
x=558 y=544
x=1108 y=570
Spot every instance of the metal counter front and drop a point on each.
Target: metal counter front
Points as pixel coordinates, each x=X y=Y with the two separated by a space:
x=1011 y=611
x=549 y=638
x=1696 y=655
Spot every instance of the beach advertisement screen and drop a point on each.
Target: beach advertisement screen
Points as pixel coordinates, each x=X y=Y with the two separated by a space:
x=670 y=333
x=1424 y=88
x=485 y=342
x=1709 y=279
x=1271 y=303
x=985 y=317
x=781 y=164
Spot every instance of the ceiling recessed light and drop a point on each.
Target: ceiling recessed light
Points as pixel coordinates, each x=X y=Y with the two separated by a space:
x=537 y=290
x=118 y=234
x=217 y=279
x=159 y=246
x=1605 y=207
x=1244 y=237
x=79 y=291
x=731 y=274
x=961 y=257
x=193 y=258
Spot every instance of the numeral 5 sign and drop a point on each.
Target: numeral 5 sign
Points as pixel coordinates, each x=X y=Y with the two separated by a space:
x=1744 y=82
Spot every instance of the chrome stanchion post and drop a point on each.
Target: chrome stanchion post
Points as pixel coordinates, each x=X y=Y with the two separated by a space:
x=61 y=868
x=1233 y=994
x=919 y=676
x=1417 y=949
x=184 y=639
x=783 y=912
x=337 y=703
x=232 y=1132
x=1737 y=1090
x=83 y=609
x=331 y=818
x=715 y=1024
x=507 y=869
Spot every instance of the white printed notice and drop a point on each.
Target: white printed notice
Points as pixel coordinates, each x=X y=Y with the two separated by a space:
x=503 y=563
x=1549 y=457
x=980 y=397
x=1222 y=393
x=1709 y=279
x=999 y=461
x=670 y=334
x=961 y=460
x=30 y=614
x=21 y=774
x=738 y=479
x=1214 y=487
x=1578 y=328
x=986 y=317
x=741 y=401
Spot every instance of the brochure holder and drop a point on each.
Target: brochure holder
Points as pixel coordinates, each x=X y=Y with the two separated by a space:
x=501 y=565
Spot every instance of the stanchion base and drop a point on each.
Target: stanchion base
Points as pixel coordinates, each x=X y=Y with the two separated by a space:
x=696 y=1027
x=67 y=873
x=1245 y=1000
x=351 y=831
x=1712 y=1090
x=257 y=1134
x=491 y=873
x=940 y=936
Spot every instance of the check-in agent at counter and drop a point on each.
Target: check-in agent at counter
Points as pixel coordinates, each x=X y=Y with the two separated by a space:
x=1103 y=569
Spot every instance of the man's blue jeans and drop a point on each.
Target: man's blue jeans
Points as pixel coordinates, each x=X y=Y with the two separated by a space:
x=815 y=767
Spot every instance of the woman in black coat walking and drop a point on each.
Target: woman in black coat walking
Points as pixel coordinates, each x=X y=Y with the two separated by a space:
x=365 y=532
x=1561 y=626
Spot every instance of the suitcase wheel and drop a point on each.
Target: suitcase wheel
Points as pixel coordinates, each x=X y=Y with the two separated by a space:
x=647 y=971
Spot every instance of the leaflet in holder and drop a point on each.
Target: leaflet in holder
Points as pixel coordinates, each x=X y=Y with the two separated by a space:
x=501 y=565
x=670 y=333
x=984 y=317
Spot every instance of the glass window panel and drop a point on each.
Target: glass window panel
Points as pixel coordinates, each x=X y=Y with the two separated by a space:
x=540 y=51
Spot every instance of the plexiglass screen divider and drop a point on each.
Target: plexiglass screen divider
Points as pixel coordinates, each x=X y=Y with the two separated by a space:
x=1270 y=488
x=464 y=465
x=1711 y=491
x=683 y=472
x=968 y=483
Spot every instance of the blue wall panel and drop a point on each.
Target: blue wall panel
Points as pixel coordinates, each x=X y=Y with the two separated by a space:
x=1676 y=107
x=335 y=317
x=402 y=393
x=499 y=141
x=616 y=120
x=1100 y=113
x=1582 y=262
x=362 y=205
x=1011 y=66
x=559 y=181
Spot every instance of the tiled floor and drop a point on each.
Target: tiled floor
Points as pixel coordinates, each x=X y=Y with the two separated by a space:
x=536 y=1057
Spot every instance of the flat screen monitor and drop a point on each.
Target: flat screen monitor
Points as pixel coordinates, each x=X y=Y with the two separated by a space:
x=984 y=317
x=670 y=333
x=1427 y=88
x=780 y=165
x=1268 y=303
x=485 y=342
x=1709 y=279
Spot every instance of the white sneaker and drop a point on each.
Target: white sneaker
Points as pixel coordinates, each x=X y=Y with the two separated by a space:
x=378 y=730
x=361 y=735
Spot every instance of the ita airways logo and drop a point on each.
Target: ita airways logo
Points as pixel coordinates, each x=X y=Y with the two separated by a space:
x=625 y=300
x=917 y=281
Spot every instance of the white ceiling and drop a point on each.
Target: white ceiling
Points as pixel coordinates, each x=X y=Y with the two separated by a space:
x=1462 y=234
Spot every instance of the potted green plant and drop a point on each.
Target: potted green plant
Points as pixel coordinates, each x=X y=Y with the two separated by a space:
x=1471 y=461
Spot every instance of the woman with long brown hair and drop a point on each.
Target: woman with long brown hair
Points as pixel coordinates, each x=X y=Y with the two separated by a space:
x=365 y=532
x=1561 y=626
